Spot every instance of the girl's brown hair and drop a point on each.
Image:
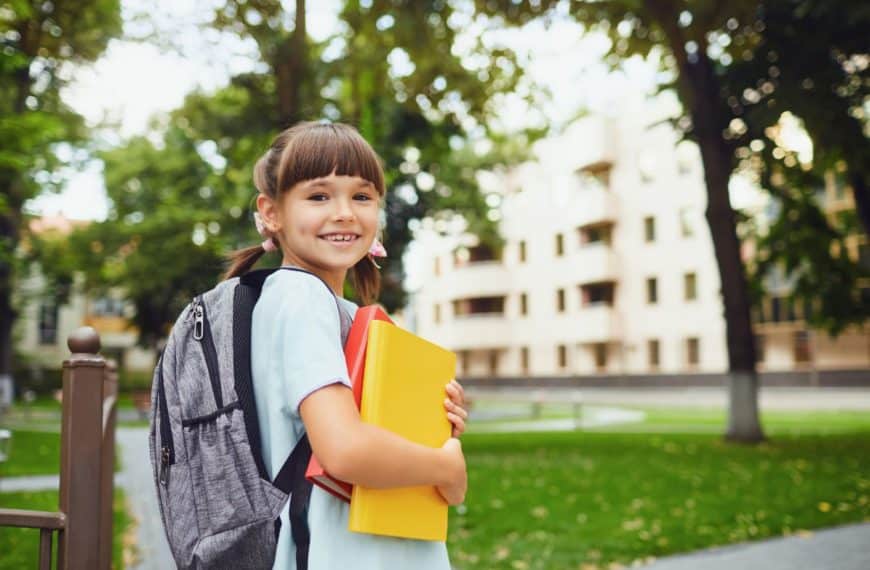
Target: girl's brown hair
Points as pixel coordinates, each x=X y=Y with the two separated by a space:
x=307 y=151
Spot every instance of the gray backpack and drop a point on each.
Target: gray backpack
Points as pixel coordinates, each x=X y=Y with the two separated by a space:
x=218 y=505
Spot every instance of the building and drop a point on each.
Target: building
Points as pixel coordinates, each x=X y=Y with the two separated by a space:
x=46 y=318
x=607 y=266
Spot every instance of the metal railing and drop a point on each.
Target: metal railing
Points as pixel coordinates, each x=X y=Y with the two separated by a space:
x=87 y=458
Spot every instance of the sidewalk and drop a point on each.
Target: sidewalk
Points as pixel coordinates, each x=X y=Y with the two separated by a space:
x=841 y=548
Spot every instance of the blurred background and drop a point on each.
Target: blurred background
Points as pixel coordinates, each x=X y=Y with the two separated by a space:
x=642 y=227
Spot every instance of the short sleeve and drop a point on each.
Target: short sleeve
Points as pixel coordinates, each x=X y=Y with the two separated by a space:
x=309 y=330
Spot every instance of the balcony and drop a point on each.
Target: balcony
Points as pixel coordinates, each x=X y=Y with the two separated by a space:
x=480 y=330
x=475 y=279
x=595 y=323
x=596 y=206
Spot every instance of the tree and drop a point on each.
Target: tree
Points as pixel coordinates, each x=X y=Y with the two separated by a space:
x=41 y=40
x=698 y=43
x=418 y=120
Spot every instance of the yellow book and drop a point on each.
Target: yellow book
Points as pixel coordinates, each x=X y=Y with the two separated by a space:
x=404 y=391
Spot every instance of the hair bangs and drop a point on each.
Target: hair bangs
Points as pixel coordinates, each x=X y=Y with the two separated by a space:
x=320 y=149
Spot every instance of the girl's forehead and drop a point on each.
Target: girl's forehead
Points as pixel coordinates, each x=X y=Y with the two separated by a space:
x=337 y=180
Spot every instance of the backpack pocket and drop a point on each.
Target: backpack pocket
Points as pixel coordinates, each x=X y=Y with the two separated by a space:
x=229 y=490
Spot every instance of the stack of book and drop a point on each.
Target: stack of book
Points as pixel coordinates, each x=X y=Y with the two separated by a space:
x=398 y=384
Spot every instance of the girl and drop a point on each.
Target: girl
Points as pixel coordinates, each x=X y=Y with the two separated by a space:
x=320 y=188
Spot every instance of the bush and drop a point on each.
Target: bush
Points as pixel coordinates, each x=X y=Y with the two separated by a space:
x=134 y=380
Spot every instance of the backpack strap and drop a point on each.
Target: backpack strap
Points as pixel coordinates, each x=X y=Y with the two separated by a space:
x=291 y=477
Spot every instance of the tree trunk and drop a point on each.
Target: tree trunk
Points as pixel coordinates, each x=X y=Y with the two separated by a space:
x=9 y=241
x=290 y=71
x=697 y=76
x=862 y=199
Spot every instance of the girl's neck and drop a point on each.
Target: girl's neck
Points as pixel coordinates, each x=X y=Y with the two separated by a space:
x=333 y=278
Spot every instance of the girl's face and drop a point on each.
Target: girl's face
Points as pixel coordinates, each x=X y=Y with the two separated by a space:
x=325 y=225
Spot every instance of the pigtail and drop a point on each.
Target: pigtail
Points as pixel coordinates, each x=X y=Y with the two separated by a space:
x=366 y=280
x=242 y=260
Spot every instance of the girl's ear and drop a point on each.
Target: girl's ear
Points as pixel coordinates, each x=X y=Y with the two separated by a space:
x=269 y=212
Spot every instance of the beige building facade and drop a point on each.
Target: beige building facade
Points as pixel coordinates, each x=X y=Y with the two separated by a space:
x=607 y=268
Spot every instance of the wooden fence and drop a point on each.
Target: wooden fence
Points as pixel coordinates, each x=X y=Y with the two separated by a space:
x=83 y=522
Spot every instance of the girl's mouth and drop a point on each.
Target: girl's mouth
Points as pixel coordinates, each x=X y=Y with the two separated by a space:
x=340 y=239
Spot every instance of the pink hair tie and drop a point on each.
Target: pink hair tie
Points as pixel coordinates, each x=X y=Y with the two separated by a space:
x=377 y=250
x=269 y=244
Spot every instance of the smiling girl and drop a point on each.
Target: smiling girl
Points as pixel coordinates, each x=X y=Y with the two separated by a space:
x=320 y=191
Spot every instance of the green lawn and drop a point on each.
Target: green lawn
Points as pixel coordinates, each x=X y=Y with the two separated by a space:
x=563 y=500
x=32 y=453
x=20 y=546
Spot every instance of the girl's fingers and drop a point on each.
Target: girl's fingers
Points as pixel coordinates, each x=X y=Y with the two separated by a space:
x=452 y=406
x=458 y=424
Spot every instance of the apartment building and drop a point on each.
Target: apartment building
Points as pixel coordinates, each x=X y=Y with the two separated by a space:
x=607 y=267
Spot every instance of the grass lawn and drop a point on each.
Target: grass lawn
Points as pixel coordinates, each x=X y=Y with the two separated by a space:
x=32 y=453
x=590 y=499
x=20 y=546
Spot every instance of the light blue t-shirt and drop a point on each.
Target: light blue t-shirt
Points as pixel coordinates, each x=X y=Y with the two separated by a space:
x=296 y=349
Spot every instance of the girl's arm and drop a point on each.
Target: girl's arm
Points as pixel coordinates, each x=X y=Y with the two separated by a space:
x=364 y=454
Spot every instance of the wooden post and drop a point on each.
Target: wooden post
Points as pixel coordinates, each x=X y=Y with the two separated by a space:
x=107 y=463
x=81 y=438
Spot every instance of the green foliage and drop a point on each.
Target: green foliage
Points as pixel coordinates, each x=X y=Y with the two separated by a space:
x=419 y=121
x=41 y=40
x=737 y=67
x=564 y=500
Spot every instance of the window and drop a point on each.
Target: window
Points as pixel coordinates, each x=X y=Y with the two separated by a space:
x=687 y=227
x=690 y=286
x=649 y=229
x=107 y=307
x=522 y=251
x=600 y=349
x=560 y=300
x=652 y=291
x=493 y=363
x=524 y=359
x=437 y=314
x=598 y=234
x=693 y=350
x=596 y=175
x=464 y=358
x=48 y=313
x=801 y=342
x=478 y=306
x=560 y=245
x=652 y=347
x=524 y=303
x=593 y=294
x=562 y=355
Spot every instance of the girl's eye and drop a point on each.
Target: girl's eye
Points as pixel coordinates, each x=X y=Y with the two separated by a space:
x=363 y=197
x=318 y=197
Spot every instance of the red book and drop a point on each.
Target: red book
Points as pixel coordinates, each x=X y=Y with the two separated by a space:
x=355 y=356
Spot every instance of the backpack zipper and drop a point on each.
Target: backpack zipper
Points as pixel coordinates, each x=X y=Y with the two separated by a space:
x=202 y=333
x=167 y=449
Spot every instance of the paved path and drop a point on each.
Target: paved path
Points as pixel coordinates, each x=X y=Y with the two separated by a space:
x=843 y=548
x=771 y=398
x=137 y=482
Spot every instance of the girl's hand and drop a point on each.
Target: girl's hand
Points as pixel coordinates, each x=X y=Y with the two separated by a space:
x=455 y=406
x=456 y=478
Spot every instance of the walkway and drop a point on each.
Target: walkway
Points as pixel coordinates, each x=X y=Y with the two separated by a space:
x=842 y=548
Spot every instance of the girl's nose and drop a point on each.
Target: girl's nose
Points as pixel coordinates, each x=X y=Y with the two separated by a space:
x=343 y=210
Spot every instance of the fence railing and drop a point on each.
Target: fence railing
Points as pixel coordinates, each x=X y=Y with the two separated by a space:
x=83 y=522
